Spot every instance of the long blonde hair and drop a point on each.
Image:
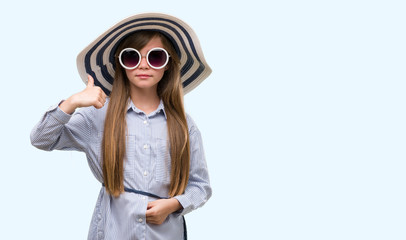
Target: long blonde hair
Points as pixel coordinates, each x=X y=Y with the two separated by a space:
x=114 y=138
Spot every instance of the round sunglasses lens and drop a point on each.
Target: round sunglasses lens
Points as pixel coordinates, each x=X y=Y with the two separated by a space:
x=130 y=58
x=157 y=58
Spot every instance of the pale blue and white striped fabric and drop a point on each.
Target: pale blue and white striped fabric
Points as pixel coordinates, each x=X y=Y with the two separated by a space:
x=147 y=168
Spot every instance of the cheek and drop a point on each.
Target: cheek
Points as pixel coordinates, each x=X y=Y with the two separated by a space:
x=128 y=73
x=160 y=74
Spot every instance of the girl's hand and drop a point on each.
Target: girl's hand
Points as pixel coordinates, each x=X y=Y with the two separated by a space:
x=158 y=211
x=90 y=96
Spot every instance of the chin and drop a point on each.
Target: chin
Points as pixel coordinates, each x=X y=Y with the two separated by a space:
x=145 y=86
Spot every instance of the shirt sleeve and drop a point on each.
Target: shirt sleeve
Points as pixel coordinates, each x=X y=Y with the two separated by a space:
x=198 y=190
x=62 y=131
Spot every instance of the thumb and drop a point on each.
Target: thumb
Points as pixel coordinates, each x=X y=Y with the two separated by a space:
x=90 y=81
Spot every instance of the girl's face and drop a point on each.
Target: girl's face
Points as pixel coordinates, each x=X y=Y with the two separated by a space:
x=144 y=77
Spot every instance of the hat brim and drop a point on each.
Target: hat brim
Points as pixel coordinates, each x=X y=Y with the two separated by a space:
x=97 y=59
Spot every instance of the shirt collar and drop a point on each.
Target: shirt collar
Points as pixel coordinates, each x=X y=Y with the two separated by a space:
x=160 y=108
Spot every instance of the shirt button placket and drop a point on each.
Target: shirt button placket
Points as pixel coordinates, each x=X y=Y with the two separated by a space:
x=147 y=152
x=146 y=148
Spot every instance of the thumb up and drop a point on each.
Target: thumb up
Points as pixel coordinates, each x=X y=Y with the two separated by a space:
x=90 y=81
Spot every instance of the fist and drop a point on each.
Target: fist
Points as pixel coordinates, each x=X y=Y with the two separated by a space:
x=90 y=96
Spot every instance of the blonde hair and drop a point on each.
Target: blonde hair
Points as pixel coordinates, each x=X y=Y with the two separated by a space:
x=170 y=90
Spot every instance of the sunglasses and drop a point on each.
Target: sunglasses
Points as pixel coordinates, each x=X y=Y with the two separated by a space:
x=130 y=58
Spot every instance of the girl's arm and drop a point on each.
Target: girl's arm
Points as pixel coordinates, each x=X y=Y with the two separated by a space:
x=58 y=129
x=198 y=190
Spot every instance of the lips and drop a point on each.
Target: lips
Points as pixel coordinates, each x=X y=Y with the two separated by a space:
x=143 y=76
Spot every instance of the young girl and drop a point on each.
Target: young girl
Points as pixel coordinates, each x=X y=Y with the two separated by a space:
x=131 y=124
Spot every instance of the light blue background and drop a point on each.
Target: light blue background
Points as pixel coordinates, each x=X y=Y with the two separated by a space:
x=303 y=117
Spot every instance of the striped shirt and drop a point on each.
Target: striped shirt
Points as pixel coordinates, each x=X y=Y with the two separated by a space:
x=146 y=168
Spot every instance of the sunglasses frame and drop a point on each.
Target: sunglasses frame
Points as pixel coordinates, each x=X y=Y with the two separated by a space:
x=146 y=57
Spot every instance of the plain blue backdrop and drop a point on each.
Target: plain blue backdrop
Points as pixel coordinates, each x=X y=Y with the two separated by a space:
x=303 y=117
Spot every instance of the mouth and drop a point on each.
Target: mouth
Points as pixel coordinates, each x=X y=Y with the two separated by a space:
x=143 y=76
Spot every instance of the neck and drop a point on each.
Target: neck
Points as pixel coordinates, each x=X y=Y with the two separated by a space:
x=146 y=100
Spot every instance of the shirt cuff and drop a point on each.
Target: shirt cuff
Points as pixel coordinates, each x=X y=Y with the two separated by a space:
x=186 y=205
x=58 y=114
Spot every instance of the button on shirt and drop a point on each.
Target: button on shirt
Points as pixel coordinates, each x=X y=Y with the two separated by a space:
x=146 y=168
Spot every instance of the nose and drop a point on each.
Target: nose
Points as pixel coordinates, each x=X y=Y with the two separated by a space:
x=143 y=63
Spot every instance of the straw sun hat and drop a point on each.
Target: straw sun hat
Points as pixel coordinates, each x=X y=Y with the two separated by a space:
x=97 y=59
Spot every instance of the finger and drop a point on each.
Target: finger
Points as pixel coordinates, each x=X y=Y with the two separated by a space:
x=90 y=81
x=101 y=100
x=152 y=220
x=100 y=93
x=103 y=95
x=149 y=220
x=102 y=103
x=98 y=105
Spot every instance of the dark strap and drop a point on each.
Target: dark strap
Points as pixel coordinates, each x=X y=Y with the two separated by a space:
x=156 y=196
x=143 y=193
